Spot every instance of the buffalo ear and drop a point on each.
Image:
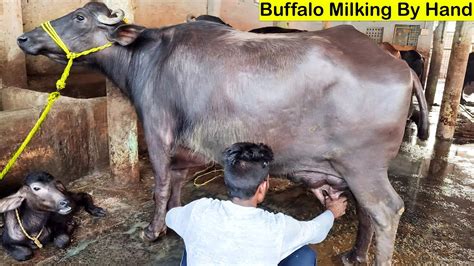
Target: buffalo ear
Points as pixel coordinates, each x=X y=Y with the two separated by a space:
x=13 y=201
x=126 y=34
x=60 y=186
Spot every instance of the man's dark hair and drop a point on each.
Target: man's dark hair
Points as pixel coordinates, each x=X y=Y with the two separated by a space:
x=246 y=165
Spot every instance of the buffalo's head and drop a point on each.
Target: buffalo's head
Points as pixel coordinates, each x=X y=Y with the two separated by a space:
x=42 y=194
x=90 y=26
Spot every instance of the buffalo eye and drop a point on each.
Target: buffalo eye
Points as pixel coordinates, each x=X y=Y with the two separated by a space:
x=36 y=188
x=79 y=17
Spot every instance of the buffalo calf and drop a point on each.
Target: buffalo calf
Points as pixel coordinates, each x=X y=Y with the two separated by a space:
x=41 y=211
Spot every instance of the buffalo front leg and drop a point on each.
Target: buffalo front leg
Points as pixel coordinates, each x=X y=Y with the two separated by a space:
x=161 y=195
x=376 y=196
x=159 y=140
x=18 y=252
x=365 y=233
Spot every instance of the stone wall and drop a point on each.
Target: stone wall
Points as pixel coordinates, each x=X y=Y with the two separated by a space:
x=2 y=53
x=71 y=143
x=167 y=12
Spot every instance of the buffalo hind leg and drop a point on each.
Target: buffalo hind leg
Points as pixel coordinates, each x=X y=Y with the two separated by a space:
x=178 y=180
x=365 y=232
x=182 y=161
x=374 y=193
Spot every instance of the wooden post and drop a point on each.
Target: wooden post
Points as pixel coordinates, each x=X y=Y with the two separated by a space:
x=122 y=121
x=454 y=80
x=435 y=65
x=439 y=161
x=12 y=58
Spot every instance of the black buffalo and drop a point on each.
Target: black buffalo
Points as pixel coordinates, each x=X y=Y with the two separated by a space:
x=274 y=29
x=43 y=205
x=263 y=30
x=330 y=103
x=469 y=76
x=191 y=18
x=415 y=60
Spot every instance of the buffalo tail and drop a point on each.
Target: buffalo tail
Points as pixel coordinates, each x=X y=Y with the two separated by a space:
x=423 y=122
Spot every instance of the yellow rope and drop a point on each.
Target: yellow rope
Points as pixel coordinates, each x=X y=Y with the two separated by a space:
x=206 y=172
x=34 y=239
x=51 y=99
x=60 y=84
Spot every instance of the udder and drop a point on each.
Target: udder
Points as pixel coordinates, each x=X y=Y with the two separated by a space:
x=325 y=185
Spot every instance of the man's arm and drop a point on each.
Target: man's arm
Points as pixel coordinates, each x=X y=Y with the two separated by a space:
x=298 y=233
x=178 y=218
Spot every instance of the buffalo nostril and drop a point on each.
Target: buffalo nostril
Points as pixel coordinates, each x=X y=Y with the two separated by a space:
x=22 y=39
x=63 y=203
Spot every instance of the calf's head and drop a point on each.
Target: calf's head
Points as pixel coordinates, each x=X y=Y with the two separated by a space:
x=90 y=26
x=41 y=193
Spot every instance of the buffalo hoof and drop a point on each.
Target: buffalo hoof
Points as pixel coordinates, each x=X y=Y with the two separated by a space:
x=149 y=235
x=350 y=258
x=98 y=212
x=62 y=241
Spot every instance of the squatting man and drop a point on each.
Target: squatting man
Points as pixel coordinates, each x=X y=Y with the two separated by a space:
x=236 y=232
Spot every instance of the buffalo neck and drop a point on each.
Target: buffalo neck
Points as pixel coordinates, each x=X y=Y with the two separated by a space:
x=32 y=220
x=114 y=62
x=133 y=67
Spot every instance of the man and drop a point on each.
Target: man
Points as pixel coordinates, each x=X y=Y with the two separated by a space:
x=236 y=232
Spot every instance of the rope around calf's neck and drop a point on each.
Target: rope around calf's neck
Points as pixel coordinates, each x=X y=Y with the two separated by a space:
x=34 y=239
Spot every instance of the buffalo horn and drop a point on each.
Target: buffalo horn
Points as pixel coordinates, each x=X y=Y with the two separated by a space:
x=112 y=20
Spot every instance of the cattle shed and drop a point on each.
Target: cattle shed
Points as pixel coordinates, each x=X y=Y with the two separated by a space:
x=94 y=142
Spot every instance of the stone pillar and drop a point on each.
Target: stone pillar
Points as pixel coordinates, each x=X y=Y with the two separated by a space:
x=122 y=120
x=326 y=25
x=281 y=24
x=12 y=59
x=454 y=80
x=214 y=7
x=435 y=65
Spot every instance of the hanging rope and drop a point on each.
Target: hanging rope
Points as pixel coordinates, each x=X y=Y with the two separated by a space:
x=53 y=96
x=200 y=174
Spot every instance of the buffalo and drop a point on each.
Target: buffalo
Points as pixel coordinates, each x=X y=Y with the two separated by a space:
x=390 y=49
x=468 y=77
x=331 y=104
x=45 y=210
x=263 y=30
x=191 y=18
x=415 y=60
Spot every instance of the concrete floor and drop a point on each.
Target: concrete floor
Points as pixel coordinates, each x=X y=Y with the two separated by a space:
x=437 y=186
x=436 y=226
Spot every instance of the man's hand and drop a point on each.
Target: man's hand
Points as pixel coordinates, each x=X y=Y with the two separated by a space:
x=337 y=206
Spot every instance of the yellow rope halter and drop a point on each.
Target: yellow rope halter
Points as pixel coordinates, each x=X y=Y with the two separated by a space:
x=53 y=96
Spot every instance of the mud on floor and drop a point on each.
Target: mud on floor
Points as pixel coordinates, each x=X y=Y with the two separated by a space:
x=436 y=226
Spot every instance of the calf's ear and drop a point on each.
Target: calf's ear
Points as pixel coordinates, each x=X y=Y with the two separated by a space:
x=13 y=201
x=60 y=186
x=126 y=34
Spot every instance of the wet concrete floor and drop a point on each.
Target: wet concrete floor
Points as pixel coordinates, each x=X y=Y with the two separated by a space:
x=436 y=228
